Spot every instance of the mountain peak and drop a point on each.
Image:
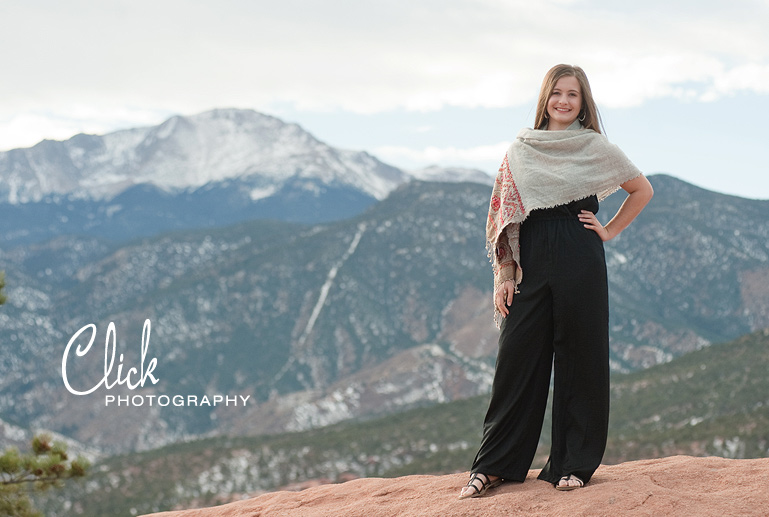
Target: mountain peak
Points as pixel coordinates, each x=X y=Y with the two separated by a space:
x=187 y=152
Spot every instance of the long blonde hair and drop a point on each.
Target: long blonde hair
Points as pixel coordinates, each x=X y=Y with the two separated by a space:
x=592 y=119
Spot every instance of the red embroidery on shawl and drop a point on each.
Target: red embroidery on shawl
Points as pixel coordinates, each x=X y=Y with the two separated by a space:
x=511 y=198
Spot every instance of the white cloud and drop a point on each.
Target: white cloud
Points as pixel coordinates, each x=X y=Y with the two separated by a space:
x=16 y=131
x=751 y=76
x=445 y=156
x=26 y=128
x=365 y=56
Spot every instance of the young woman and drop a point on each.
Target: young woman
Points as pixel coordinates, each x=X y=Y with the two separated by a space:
x=550 y=288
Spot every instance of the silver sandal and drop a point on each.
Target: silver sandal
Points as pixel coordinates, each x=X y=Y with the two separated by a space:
x=567 y=486
x=485 y=485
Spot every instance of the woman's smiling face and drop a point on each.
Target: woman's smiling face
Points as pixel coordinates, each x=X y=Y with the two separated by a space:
x=564 y=104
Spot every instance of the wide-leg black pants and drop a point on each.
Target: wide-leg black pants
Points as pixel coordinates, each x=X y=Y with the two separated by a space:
x=560 y=318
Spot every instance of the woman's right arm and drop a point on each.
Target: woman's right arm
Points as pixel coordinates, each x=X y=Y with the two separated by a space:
x=504 y=274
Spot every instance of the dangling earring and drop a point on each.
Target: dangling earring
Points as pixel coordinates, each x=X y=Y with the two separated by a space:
x=582 y=118
x=546 y=115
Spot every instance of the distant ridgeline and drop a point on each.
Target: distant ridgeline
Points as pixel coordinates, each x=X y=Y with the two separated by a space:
x=272 y=309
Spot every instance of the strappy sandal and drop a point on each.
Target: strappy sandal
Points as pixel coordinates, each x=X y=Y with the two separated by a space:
x=567 y=486
x=485 y=485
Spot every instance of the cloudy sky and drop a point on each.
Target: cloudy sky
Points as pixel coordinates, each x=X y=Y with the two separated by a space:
x=683 y=85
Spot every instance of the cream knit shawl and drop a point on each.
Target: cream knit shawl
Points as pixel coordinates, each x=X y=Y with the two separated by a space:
x=544 y=169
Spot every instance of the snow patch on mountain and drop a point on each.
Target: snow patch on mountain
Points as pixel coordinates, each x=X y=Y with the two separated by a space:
x=260 y=193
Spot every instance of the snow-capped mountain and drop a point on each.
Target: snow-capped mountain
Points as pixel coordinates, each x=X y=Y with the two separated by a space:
x=203 y=171
x=187 y=153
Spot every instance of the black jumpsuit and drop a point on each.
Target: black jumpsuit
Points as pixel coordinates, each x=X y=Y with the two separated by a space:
x=561 y=318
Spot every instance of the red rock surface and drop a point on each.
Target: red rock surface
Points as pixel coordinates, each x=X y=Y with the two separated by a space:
x=679 y=485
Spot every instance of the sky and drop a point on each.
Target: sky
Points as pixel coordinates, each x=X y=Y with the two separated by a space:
x=682 y=86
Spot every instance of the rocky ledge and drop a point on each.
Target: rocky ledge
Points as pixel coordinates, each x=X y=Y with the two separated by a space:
x=679 y=485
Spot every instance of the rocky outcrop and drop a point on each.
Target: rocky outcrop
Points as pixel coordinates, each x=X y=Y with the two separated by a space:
x=678 y=485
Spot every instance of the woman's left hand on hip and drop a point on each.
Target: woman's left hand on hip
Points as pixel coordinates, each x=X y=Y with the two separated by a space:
x=591 y=222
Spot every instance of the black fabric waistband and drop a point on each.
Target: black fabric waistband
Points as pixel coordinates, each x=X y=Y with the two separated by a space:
x=566 y=211
x=544 y=214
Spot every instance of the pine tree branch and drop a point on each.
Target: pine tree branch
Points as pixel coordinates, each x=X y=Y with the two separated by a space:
x=18 y=481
